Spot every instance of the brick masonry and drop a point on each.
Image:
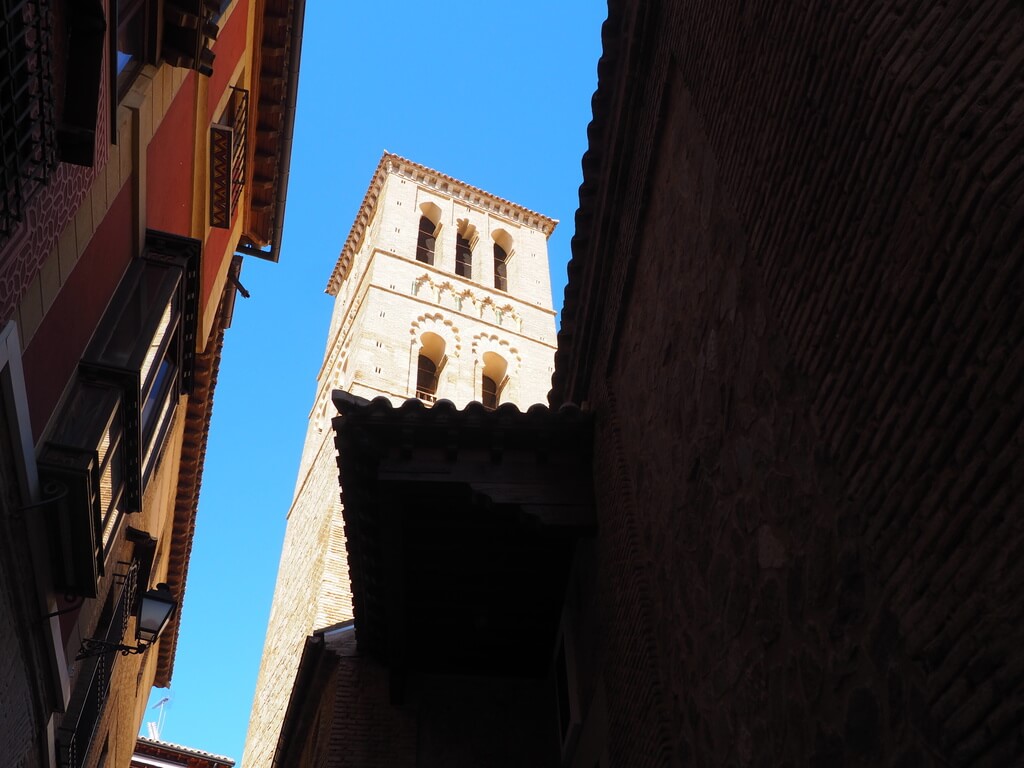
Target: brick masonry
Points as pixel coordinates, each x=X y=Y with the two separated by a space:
x=384 y=304
x=343 y=716
x=803 y=225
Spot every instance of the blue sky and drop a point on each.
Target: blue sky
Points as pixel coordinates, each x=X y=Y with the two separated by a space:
x=494 y=94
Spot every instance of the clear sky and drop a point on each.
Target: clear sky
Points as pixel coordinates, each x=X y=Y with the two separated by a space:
x=494 y=94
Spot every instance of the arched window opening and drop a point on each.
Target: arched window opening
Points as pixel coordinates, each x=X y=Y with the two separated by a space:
x=426 y=379
x=490 y=393
x=429 y=364
x=493 y=380
x=426 y=241
x=500 y=268
x=463 y=257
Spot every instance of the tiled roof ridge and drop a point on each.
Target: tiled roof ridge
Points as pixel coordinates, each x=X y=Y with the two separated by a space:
x=362 y=219
x=592 y=164
x=443 y=408
x=186 y=750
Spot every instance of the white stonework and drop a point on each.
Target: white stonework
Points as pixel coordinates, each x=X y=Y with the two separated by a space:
x=389 y=307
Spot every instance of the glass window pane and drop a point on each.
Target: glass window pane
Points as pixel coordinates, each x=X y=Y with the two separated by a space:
x=136 y=317
x=157 y=394
x=156 y=348
x=463 y=257
x=500 y=268
x=425 y=241
x=90 y=417
x=155 y=442
x=111 y=488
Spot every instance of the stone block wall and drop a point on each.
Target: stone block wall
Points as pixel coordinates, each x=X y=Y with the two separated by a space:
x=797 y=316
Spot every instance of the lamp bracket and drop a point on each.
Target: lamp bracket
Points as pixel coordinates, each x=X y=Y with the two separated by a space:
x=92 y=647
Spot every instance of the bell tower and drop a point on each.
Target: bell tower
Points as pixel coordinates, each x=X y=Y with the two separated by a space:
x=442 y=291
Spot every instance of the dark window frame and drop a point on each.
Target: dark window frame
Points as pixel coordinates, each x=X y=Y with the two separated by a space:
x=134 y=24
x=501 y=258
x=28 y=129
x=427 y=375
x=426 y=241
x=489 y=396
x=463 y=257
x=110 y=432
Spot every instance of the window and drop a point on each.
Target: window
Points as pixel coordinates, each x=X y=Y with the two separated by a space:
x=500 y=268
x=426 y=379
x=228 y=141
x=133 y=25
x=110 y=432
x=463 y=257
x=148 y=32
x=138 y=343
x=426 y=241
x=429 y=363
x=490 y=393
x=493 y=379
x=28 y=148
x=80 y=726
x=84 y=457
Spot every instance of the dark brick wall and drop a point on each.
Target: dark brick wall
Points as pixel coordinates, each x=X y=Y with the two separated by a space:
x=22 y=661
x=444 y=721
x=486 y=722
x=366 y=730
x=795 y=308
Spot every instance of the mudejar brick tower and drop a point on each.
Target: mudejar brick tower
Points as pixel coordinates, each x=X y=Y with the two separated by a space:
x=441 y=291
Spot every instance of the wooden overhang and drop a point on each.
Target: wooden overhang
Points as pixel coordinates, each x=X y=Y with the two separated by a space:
x=461 y=527
x=278 y=36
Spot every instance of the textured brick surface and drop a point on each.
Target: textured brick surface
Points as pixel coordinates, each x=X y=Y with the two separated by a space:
x=803 y=224
x=344 y=717
x=366 y=731
x=312 y=591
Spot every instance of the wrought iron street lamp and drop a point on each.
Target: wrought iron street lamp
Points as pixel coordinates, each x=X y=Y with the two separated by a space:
x=155 y=609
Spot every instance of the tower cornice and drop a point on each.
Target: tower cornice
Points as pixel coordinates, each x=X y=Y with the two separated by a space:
x=391 y=164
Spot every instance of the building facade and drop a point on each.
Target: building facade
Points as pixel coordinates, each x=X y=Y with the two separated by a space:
x=145 y=149
x=807 y=222
x=793 y=319
x=442 y=292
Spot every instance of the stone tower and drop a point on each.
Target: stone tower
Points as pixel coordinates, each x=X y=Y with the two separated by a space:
x=441 y=291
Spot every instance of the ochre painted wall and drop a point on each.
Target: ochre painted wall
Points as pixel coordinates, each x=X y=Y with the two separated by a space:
x=215 y=251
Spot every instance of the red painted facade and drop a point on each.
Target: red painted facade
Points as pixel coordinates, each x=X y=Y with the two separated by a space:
x=229 y=48
x=22 y=256
x=170 y=161
x=85 y=443
x=55 y=349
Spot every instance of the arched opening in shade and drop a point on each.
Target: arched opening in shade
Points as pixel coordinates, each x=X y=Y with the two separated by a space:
x=425 y=241
x=429 y=363
x=493 y=379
